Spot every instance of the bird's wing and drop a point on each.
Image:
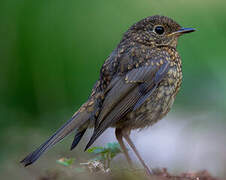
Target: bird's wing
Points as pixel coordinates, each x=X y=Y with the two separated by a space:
x=128 y=93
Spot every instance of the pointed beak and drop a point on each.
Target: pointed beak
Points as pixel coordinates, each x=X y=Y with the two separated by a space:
x=185 y=30
x=182 y=31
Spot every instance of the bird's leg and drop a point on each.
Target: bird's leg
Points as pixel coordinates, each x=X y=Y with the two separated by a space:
x=125 y=134
x=118 y=134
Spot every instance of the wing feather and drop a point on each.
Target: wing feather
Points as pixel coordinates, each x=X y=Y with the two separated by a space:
x=128 y=94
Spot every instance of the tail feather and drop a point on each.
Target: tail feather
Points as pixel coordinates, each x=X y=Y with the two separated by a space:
x=77 y=138
x=78 y=120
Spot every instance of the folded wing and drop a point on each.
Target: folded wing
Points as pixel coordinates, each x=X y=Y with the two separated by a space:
x=128 y=93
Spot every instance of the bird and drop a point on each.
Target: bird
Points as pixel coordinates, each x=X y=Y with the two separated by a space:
x=137 y=86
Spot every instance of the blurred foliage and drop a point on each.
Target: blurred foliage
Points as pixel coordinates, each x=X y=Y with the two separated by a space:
x=105 y=154
x=51 y=53
x=101 y=154
x=66 y=161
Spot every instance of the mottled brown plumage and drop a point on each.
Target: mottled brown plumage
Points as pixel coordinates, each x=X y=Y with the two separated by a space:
x=137 y=86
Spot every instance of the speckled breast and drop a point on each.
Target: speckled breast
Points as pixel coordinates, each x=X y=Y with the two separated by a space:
x=159 y=103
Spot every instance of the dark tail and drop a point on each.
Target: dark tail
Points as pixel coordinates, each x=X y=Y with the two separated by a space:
x=77 y=138
x=77 y=121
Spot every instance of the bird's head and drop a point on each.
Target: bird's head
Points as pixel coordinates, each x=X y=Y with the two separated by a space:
x=157 y=31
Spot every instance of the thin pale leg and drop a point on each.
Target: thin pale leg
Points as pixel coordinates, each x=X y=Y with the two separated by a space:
x=129 y=141
x=118 y=134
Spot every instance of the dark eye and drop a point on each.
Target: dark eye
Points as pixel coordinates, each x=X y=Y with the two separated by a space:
x=159 y=30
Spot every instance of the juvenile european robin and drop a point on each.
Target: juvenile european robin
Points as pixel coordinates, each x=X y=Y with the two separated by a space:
x=137 y=86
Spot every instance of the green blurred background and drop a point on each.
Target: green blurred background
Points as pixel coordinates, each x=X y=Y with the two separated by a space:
x=51 y=53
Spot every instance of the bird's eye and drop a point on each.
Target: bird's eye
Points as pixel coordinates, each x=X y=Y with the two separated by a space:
x=159 y=30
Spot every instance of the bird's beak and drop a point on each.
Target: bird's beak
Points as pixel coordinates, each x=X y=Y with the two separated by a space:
x=185 y=30
x=182 y=31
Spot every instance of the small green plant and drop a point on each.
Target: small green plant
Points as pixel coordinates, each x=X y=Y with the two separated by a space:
x=105 y=154
x=101 y=161
x=66 y=161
